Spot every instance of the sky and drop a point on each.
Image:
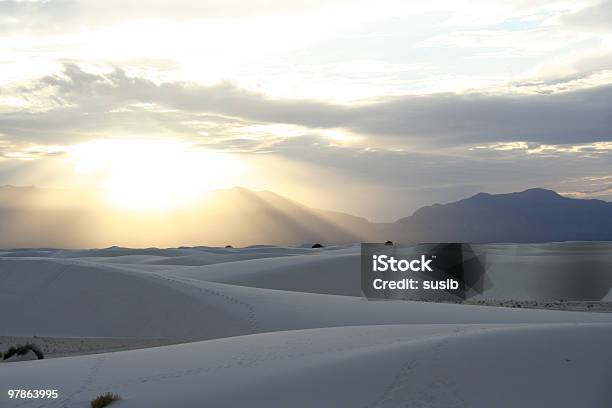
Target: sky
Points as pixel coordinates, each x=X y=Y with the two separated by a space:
x=371 y=108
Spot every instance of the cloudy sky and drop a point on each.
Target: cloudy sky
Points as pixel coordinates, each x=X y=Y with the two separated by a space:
x=373 y=108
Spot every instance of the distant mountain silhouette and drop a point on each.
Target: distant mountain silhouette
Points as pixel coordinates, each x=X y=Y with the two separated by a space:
x=534 y=215
x=34 y=217
x=244 y=217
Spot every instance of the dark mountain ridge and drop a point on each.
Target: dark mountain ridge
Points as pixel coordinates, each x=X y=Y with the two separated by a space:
x=33 y=217
x=534 y=215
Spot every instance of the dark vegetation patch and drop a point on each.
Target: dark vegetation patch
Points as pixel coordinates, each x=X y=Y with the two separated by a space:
x=104 y=400
x=21 y=349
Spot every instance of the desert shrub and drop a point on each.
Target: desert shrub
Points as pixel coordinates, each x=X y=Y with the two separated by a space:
x=104 y=400
x=317 y=246
x=20 y=350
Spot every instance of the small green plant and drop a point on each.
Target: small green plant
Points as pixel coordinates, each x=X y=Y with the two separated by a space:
x=20 y=350
x=104 y=400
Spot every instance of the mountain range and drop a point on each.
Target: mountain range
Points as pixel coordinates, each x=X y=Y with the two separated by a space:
x=35 y=217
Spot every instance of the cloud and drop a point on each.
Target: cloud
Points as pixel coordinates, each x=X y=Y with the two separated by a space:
x=599 y=186
x=92 y=102
x=61 y=16
x=600 y=193
x=598 y=16
x=535 y=40
x=584 y=150
x=405 y=180
x=550 y=127
x=413 y=149
x=447 y=119
x=570 y=72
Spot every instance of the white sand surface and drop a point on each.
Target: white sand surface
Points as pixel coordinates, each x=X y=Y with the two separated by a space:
x=77 y=297
x=332 y=272
x=367 y=366
x=284 y=327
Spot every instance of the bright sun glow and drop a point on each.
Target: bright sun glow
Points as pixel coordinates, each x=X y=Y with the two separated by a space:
x=151 y=174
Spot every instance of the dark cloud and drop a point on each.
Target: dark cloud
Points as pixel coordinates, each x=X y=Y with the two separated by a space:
x=116 y=89
x=560 y=118
x=442 y=120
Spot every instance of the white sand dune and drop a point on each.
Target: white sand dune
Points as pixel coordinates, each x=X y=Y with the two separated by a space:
x=327 y=272
x=548 y=271
x=284 y=327
x=62 y=297
x=367 y=366
x=67 y=298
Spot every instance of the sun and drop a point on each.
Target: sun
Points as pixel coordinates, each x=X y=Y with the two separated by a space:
x=153 y=174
